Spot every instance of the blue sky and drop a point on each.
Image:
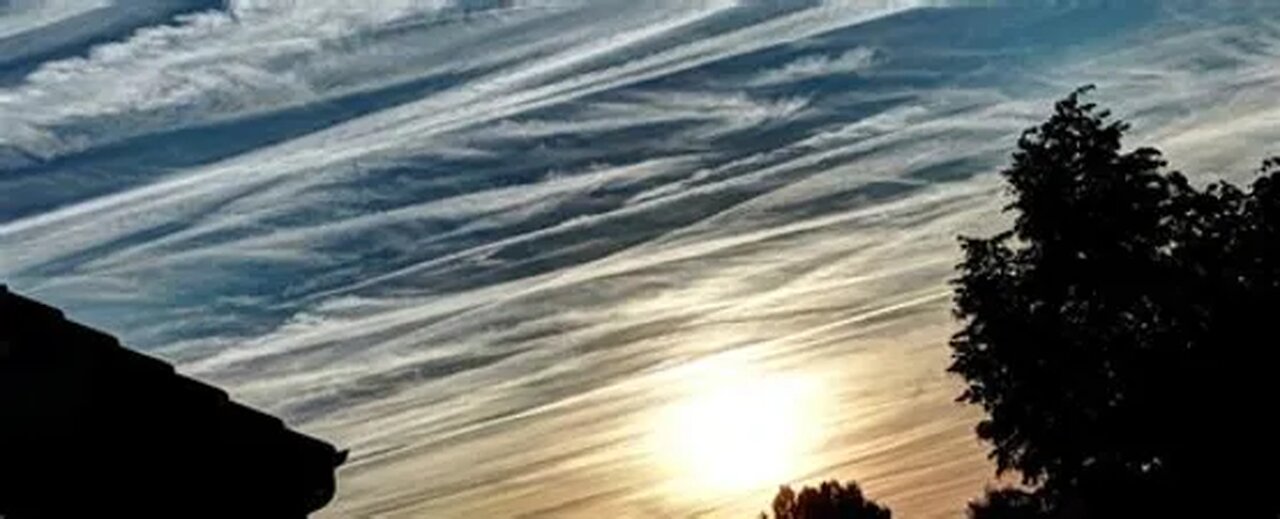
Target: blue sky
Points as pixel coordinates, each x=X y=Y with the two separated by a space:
x=488 y=245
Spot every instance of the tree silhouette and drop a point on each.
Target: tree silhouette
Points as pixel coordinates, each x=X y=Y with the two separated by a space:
x=830 y=500
x=1118 y=335
x=1009 y=503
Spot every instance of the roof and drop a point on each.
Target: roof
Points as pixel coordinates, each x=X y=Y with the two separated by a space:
x=88 y=427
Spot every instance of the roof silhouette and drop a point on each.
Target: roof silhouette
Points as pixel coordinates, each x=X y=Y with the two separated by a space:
x=90 y=428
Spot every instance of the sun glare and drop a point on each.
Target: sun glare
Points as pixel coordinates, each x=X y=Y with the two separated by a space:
x=738 y=430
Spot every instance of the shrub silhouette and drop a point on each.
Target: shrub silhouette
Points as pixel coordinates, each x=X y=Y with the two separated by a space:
x=830 y=500
x=1119 y=335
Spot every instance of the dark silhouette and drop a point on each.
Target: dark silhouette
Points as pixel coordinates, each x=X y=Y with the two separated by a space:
x=1009 y=503
x=1119 y=336
x=830 y=500
x=91 y=429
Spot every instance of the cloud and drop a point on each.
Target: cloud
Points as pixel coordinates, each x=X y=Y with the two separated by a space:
x=525 y=219
x=216 y=65
x=21 y=16
x=809 y=67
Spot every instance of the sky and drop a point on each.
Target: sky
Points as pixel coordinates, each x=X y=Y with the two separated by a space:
x=577 y=259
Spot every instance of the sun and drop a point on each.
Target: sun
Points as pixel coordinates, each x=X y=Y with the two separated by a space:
x=738 y=430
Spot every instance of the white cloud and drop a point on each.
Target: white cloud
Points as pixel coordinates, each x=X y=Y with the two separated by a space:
x=808 y=67
x=595 y=195
x=20 y=16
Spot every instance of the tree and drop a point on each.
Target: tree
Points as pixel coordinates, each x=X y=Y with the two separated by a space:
x=1009 y=503
x=830 y=500
x=1118 y=334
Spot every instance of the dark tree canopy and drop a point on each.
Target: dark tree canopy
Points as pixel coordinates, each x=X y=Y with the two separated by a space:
x=1119 y=335
x=830 y=500
x=1009 y=503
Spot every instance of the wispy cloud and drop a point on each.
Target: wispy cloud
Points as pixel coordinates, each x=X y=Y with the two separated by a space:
x=22 y=16
x=454 y=235
x=809 y=67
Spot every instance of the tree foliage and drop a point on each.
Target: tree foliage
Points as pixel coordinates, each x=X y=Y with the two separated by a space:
x=1119 y=335
x=830 y=500
x=1010 y=503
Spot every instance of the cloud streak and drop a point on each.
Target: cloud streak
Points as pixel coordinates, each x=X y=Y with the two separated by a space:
x=482 y=243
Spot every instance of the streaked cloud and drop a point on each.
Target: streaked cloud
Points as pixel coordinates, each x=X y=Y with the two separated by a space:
x=483 y=243
x=818 y=66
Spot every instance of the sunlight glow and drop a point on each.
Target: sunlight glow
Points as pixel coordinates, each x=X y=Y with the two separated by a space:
x=738 y=430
